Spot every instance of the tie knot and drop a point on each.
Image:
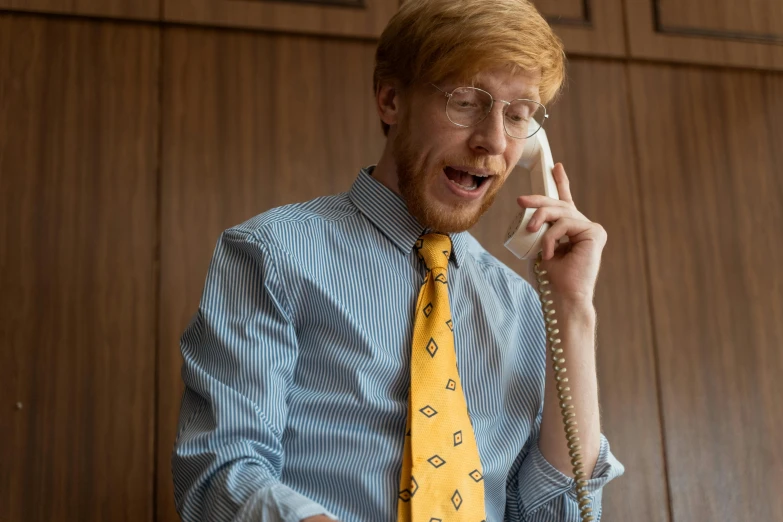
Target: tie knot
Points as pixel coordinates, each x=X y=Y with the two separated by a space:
x=434 y=250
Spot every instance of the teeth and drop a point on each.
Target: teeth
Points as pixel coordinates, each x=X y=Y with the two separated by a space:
x=478 y=175
x=474 y=186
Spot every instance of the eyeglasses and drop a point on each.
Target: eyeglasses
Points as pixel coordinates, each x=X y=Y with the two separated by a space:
x=468 y=106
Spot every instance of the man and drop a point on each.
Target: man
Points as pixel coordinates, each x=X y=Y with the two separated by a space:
x=361 y=357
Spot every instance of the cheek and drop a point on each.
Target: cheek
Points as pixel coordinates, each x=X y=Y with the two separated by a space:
x=513 y=157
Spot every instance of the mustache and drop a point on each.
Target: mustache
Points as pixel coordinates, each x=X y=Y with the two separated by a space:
x=496 y=166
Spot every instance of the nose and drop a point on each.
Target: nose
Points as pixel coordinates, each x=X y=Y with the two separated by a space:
x=489 y=136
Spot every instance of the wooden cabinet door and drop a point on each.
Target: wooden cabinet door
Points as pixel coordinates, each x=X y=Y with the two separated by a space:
x=709 y=165
x=78 y=206
x=719 y=32
x=592 y=27
x=133 y=9
x=357 y=18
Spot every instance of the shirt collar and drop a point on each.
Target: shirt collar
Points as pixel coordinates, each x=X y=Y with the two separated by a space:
x=389 y=213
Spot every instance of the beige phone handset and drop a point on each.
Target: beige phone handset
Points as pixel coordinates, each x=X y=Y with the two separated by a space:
x=537 y=163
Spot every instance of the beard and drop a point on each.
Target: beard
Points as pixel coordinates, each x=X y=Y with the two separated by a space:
x=413 y=178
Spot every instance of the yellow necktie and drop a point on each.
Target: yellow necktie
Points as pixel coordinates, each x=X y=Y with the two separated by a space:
x=441 y=479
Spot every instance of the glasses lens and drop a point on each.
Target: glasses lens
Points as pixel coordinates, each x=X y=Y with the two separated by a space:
x=524 y=118
x=468 y=106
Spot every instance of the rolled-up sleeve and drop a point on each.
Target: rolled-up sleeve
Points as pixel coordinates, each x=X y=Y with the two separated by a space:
x=239 y=353
x=545 y=494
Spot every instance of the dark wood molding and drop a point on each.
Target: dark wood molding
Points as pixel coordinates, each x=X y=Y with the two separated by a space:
x=354 y=4
x=709 y=33
x=585 y=21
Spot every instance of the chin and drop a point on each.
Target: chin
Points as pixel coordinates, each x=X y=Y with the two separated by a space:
x=431 y=202
x=444 y=217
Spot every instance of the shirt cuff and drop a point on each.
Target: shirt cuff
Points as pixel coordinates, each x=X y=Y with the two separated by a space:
x=279 y=503
x=541 y=482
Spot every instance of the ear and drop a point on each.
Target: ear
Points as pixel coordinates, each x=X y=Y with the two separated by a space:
x=387 y=100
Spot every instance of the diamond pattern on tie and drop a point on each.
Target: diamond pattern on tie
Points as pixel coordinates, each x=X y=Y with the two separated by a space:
x=428 y=411
x=432 y=347
x=436 y=461
x=441 y=450
x=407 y=494
x=456 y=499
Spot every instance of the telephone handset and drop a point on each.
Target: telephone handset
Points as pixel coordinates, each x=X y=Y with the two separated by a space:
x=537 y=162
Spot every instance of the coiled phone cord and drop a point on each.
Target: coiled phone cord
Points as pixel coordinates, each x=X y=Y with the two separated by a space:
x=569 y=417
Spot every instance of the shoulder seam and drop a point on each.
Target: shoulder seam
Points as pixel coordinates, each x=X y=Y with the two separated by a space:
x=265 y=246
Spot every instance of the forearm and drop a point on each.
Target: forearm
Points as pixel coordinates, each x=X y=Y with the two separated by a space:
x=576 y=323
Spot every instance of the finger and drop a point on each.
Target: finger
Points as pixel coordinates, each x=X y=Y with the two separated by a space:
x=565 y=227
x=549 y=241
x=551 y=214
x=563 y=185
x=543 y=215
x=538 y=200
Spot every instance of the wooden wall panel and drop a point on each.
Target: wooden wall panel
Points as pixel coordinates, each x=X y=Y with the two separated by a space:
x=573 y=11
x=593 y=27
x=360 y=18
x=760 y=19
x=133 y=9
x=78 y=158
x=710 y=175
x=251 y=121
x=590 y=131
x=744 y=34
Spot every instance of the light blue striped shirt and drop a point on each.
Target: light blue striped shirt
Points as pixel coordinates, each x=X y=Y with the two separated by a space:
x=296 y=369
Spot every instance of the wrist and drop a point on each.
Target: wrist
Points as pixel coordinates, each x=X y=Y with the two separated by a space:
x=580 y=309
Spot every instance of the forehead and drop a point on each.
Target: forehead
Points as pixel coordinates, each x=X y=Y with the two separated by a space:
x=506 y=83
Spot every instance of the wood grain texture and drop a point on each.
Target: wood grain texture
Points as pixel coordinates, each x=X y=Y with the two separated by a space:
x=296 y=17
x=130 y=9
x=566 y=9
x=78 y=159
x=760 y=18
x=590 y=133
x=250 y=122
x=590 y=27
x=670 y=34
x=712 y=192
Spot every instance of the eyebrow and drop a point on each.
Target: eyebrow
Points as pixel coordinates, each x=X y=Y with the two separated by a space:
x=527 y=95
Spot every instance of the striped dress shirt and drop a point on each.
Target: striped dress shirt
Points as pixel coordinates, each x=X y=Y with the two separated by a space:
x=297 y=370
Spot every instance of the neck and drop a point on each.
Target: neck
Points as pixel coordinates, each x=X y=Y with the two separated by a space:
x=386 y=169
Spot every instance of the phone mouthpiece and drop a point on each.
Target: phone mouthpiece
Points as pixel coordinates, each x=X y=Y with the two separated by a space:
x=519 y=241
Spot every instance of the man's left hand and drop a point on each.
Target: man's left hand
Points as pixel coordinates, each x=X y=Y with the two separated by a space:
x=573 y=266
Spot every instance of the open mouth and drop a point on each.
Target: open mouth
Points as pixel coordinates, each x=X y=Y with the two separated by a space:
x=465 y=180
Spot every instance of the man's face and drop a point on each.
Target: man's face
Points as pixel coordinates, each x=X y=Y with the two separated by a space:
x=449 y=175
